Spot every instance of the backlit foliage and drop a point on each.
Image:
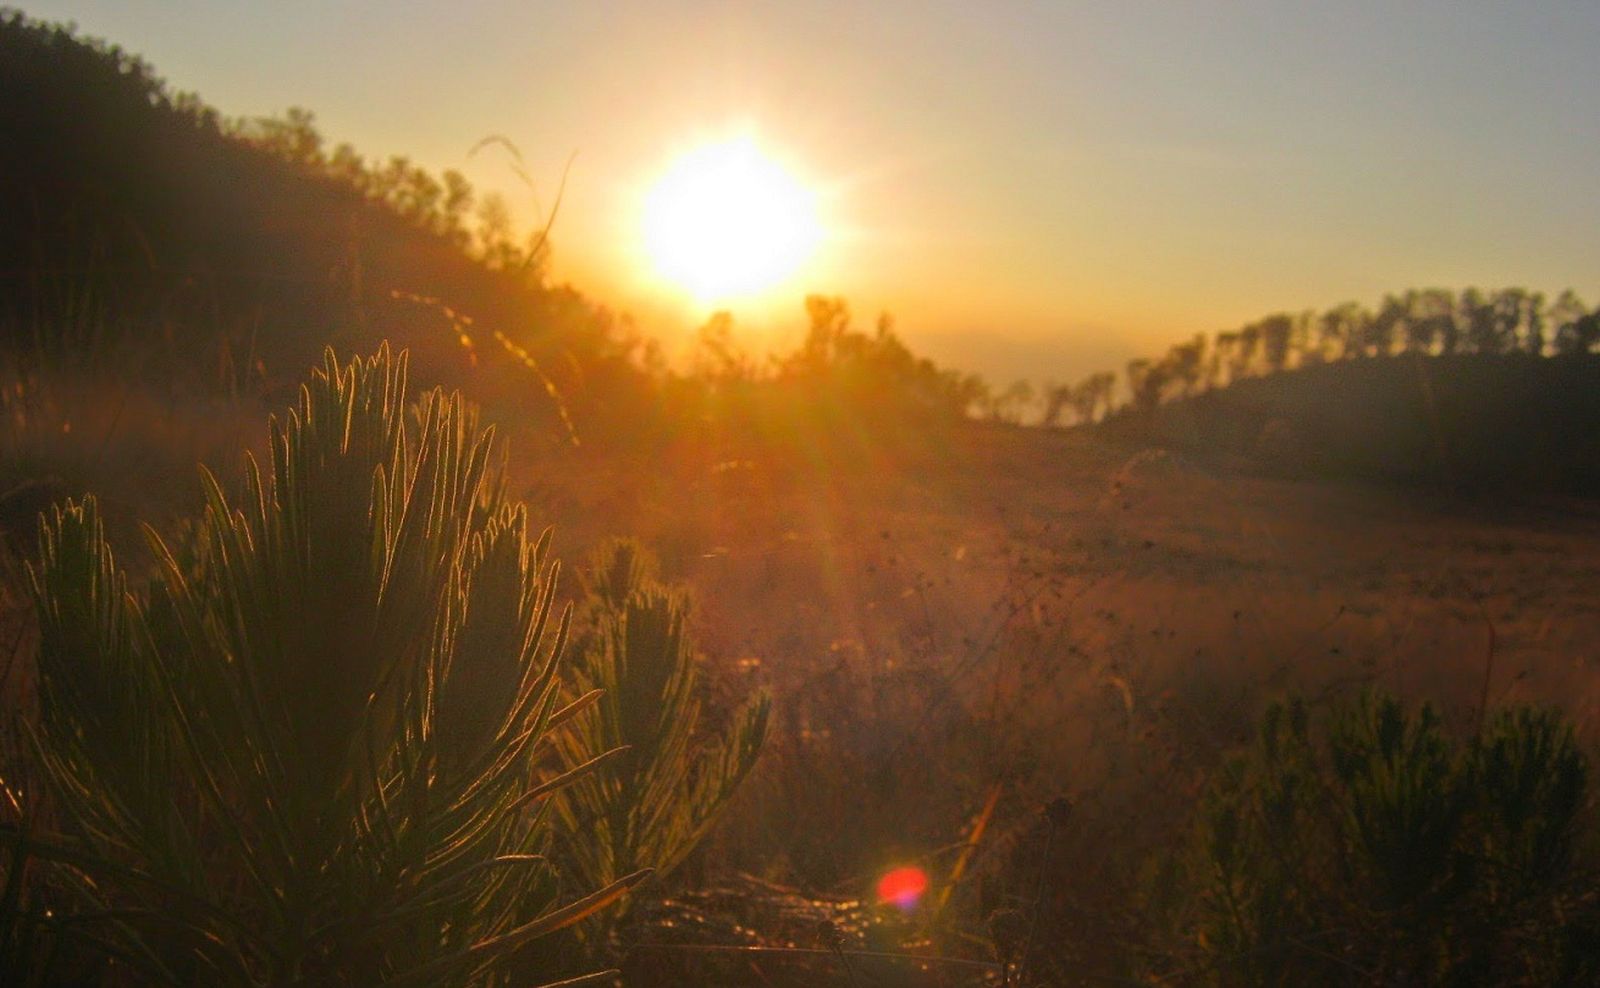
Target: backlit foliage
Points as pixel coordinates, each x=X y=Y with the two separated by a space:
x=651 y=804
x=1378 y=849
x=306 y=753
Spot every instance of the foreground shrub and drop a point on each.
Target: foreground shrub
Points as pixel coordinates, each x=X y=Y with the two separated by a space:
x=650 y=805
x=1381 y=850
x=305 y=754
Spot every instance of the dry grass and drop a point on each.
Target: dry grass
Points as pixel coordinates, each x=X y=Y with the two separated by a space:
x=66 y=434
x=1066 y=617
x=1006 y=606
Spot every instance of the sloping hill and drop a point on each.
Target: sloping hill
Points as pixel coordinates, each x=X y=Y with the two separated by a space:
x=1469 y=422
x=144 y=228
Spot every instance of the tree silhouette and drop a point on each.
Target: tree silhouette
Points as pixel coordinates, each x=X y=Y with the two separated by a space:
x=1426 y=322
x=1533 y=323
x=1147 y=380
x=1439 y=304
x=1340 y=330
x=1517 y=317
x=1404 y=312
x=1372 y=338
x=1245 y=353
x=1057 y=398
x=1586 y=333
x=1577 y=330
x=1223 y=348
x=1085 y=399
x=1276 y=333
x=1185 y=364
x=1479 y=322
x=1102 y=387
x=717 y=357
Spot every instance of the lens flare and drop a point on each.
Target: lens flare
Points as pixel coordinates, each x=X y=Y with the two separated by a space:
x=903 y=887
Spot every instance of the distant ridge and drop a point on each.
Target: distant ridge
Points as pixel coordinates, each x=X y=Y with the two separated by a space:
x=1472 y=423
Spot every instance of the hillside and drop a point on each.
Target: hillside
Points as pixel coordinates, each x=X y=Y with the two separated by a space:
x=1501 y=424
x=147 y=231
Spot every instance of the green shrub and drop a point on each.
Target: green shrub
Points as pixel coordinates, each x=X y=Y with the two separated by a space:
x=1380 y=849
x=650 y=805
x=307 y=752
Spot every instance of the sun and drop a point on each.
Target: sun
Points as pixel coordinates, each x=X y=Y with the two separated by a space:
x=728 y=221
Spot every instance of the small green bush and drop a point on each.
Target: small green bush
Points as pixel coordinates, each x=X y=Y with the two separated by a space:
x=307 y=752
x=1381 y=850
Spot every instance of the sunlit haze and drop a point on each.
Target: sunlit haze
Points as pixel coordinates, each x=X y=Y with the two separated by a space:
x=1031 y=189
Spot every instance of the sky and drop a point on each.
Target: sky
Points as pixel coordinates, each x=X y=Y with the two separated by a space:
x=1032 y=189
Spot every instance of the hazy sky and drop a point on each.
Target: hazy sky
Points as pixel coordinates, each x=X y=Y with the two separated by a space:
x=1032 y=189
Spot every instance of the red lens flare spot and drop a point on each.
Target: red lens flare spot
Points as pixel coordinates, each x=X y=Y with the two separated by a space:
x=903 y=886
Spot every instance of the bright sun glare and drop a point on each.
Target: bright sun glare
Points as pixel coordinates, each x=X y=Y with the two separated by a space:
x=726 y=220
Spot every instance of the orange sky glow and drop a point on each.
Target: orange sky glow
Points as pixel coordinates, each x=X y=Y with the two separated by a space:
x=1033 y=190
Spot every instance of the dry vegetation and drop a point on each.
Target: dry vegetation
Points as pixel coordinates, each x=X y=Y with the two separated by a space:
x=1049 y=614
x=1010 y=612
x=1047 y=666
